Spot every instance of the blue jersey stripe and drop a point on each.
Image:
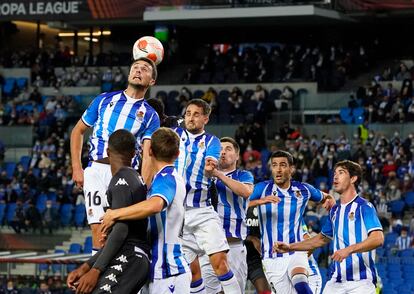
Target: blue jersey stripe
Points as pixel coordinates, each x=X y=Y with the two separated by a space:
x=292 y=217
x=358 y=239
x=280 y=220
x=336 y=244
x=269 y=226
x=348 y=260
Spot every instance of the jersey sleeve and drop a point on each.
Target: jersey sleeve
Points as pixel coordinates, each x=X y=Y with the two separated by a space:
x=257 y=191
x=153 y=125
x=246 y=177
x=327 y=229
x=315 y=194
x=90 y=116
x=213 y=149
x=370 y=218
x=164 y=186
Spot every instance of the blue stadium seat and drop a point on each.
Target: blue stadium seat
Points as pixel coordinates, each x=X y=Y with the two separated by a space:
x=41 y=202
x=75 y=248
x=21 y=82
x=2 y=212
x=80 y=215
x=397 y=207
x=198 y=94
x=358 y=115
x=274 y=94
x=10 y=167
x=87 y=246
x=66 y=214
x=25 y=161
x=409 y=199
x=407 y=253
x=345 y=115
x=106 y=87
x=57 y=268
x=11 y=208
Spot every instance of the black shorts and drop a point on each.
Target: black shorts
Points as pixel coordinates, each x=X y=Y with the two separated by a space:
x=126 y=274
x=254 y=263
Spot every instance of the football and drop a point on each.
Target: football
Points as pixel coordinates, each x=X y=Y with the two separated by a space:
x=148 y=47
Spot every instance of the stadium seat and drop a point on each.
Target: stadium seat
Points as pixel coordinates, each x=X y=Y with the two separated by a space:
x=75 y=248
x=106 y=87
x=345 y=115
x=21 y=82
x=41 y=202
x=198 y=94
x=80 y=215
x=358 y=115
x=87 y=246
x=274 y=94
x=66 y=214
x=10 y=167
x=397 y=207
x=407 y=253
x=409 y=199
x=25 y=161
x=2 y=212
x=57 y=268
x=11 y=208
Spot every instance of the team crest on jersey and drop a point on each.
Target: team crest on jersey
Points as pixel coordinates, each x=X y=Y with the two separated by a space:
x=90 y=212
x=351 y=216
x=140 y=114
x=298 y=194
x=201 y=144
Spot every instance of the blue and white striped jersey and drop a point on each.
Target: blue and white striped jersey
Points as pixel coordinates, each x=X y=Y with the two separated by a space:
x=194 y=150
x=167 y=257
x=313 y=265
x=231 y=207
x=403 y=243
x=109 y=112
x=283 y=221
x=350 y=224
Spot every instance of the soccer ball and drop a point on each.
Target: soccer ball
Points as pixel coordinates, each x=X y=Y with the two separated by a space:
x=150 y=48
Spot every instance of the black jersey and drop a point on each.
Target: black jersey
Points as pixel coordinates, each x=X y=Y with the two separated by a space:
x=125 y=189
x=252 y=222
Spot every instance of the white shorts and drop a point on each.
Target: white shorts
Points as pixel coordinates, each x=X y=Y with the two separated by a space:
x=96 y=180
x=350 y=287
x=237 y=262
x=203 y=233
x=175 y=284
x=279 y=271
x=315 y=283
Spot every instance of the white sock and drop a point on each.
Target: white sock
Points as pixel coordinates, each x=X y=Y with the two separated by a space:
x=229 y=283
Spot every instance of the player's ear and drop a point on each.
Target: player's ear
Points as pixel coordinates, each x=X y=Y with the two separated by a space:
x=152 y=82
x=354 y=179
x=108 y=152
x=150 y=153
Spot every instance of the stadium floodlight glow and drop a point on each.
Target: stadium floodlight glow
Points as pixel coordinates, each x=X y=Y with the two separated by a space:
x=86 y=34
x=95 y=40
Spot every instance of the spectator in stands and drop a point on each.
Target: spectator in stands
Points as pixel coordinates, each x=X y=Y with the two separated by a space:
x=119 y=80
x=403 y=73
x=18 y=219
x=235 y=99
x=43 y=288
x=9 y=288
x=210 y=96
x=285 y=131
x=49 y=217
x=33 y=218
x=403 y=241
x=286 y=99
x=410 y=110
x=2 y=152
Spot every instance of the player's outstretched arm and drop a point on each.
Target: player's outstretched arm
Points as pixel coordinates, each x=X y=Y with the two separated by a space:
x=147 y=171
x=241 y=189
x=76 y=142
x=264 y=200
x=375 y=239
x=310 y=244
x=328 y=201
x=137 y=211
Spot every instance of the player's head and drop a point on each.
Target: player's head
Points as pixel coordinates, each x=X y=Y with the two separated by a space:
x=121 y=145
x=230 y=152
x=347 y=175
x=165 y=145
x=143 y=73
x=196 y=115
x=281 y=165
x=159 y=107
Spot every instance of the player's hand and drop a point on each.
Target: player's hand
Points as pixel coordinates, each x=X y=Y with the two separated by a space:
x=341 y=254
x=269 y=199
x=88 y=281
x=107 y=221
x=73 y=277
x=210 y=165
x=77 y=177
x=280 y=247
x=329 y=202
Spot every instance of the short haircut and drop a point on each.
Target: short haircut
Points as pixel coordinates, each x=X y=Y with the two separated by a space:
x=165 y=144
x=232 y=142
x=200 y=103
x=158 y=106
x=281 y=153
x=122 y=142
x=353 y=168
x=154 y=67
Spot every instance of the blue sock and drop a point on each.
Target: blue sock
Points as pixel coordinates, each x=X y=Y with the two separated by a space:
x=300 y=282
x=198 y=287
x=229 y=283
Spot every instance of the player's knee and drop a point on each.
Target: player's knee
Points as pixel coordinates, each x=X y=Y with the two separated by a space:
x=219 y=263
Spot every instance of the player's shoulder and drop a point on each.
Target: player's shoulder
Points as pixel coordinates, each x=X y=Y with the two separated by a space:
x=127 y=176
x=105 y=95
x=264 y=184
x=364 y=203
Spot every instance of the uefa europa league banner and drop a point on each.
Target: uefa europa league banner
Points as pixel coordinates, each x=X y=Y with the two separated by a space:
x=54 y=10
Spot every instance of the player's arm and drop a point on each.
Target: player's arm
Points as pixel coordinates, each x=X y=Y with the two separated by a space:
x=147 y=171
x=137 y=211
x=76 y=143
x=306 y=245
x=241 y=189
x=256 y=198
x=328 y=201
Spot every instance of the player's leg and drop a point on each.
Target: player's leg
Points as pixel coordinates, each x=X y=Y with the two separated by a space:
x=211 y=281
x=210 y=236
x=96 y=181
x=360 y=287
x=315 y=283
x=127 y=273
x=255 y=271
x=175 y=284
x=276 y=270
x=191 y=251
x=333 y=287
x=298 y=272
x=237 y=261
